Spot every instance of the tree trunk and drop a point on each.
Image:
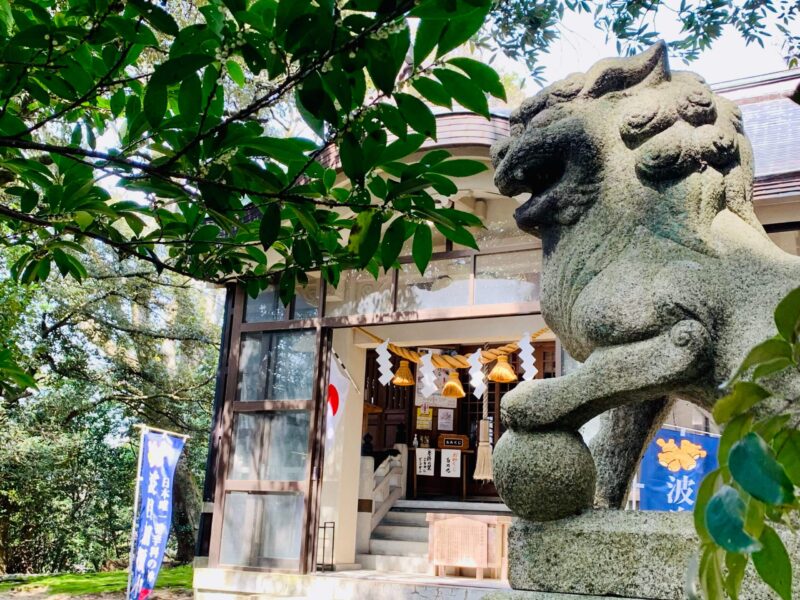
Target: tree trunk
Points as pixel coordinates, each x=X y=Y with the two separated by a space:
x=3 y=540
x=186 y=507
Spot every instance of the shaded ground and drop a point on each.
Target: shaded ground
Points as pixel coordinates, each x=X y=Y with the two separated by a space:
x=172 y=584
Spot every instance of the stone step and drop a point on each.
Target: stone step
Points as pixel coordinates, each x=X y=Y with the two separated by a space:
x=398 y=517
x=409 y=533
x=398 y=548
x=444 y=506
x=396 y=564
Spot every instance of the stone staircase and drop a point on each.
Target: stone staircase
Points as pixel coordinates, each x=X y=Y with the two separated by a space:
x=400 y=541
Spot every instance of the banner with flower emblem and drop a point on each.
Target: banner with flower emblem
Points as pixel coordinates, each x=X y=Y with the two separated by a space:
x=673 y=467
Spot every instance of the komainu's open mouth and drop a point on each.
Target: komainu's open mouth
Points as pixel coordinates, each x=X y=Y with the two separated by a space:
x=544 y=173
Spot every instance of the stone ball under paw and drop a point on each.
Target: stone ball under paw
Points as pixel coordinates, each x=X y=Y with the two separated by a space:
x=544 y=475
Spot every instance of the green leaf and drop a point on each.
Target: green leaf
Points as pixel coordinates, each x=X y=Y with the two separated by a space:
x=179 y=68
x=459 y=30
x=459 y=167
x=156 y=16
x=441 y=184
x=365 y=236
x=433 y=91
x=733 y=432
x=773 y=564
x=448 y=9
x=725 y=522
x=270 y=227
x=704 y=494
x=417 y=114
x=771 y=367
x=422 y=247
x=463 y=91
x=155 y=104
x=83 y=219
x=770 y=427
x=787 y=315
x=753 y=467
x=28 y=201
x=235 y=72
x=189 y=97
x=315 y=99
x=301 y=251
x=287 y=286
x=117 y=102
x=392 y=243
x=764 y=352
x=285 y=150
x=735 y=564
x=401 y=148
x=711 y=572
x=754 y=517
x=744 y=396
x=787 y=452
x=393 y=120
x=426 y=39
x=458 y=235
x=354 y=163
x=484 y=75
x=385 y=59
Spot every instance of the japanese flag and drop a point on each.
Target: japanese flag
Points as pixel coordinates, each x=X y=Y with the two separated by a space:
x=338 y=388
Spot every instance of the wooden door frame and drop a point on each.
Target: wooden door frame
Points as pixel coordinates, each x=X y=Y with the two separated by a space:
x=309 y=487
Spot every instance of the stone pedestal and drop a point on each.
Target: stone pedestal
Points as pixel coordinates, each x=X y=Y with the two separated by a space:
x=630 y=554
x=605 y=552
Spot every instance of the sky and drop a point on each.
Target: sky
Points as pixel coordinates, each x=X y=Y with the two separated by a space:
x=582 y=44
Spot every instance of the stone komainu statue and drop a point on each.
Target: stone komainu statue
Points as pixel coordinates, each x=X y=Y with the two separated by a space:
x=657 y=274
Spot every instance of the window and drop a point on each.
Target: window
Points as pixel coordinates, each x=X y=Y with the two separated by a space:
x=445 y=283
x=276 y=366
x=359 y=293
x=262 y=530
x=267 y=306
x=509 y=277
x=270 y=445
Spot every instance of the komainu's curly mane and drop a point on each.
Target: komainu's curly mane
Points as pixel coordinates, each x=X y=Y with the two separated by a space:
x=568 y=139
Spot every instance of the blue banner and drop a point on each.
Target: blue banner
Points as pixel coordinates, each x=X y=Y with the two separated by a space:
x=160 y=453
x=673 y=467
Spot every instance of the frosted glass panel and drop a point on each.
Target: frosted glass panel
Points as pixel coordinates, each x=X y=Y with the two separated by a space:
x=270 y=445
x=277 y=366
x=444 y=284
x=261 y=530
x=359 y=293
x=306 y=300
x=512 y=277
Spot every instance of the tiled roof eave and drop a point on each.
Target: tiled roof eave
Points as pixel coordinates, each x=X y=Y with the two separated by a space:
x=777 y=185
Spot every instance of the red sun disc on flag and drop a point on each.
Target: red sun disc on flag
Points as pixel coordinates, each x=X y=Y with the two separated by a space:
x=333 y=398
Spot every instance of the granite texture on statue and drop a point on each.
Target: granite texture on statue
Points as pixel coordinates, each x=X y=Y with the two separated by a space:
x=657 y=275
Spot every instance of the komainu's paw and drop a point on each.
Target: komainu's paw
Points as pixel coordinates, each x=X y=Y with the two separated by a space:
x=533 y=405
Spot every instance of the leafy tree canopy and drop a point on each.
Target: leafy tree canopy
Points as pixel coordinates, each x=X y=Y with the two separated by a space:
x=178 y=109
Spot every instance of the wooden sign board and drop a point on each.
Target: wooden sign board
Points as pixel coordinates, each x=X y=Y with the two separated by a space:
x=453 y=441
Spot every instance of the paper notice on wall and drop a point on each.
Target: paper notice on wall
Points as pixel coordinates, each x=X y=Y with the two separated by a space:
x=424 y=418
x=425 y=461
x=451 y=463
x=445 y=419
